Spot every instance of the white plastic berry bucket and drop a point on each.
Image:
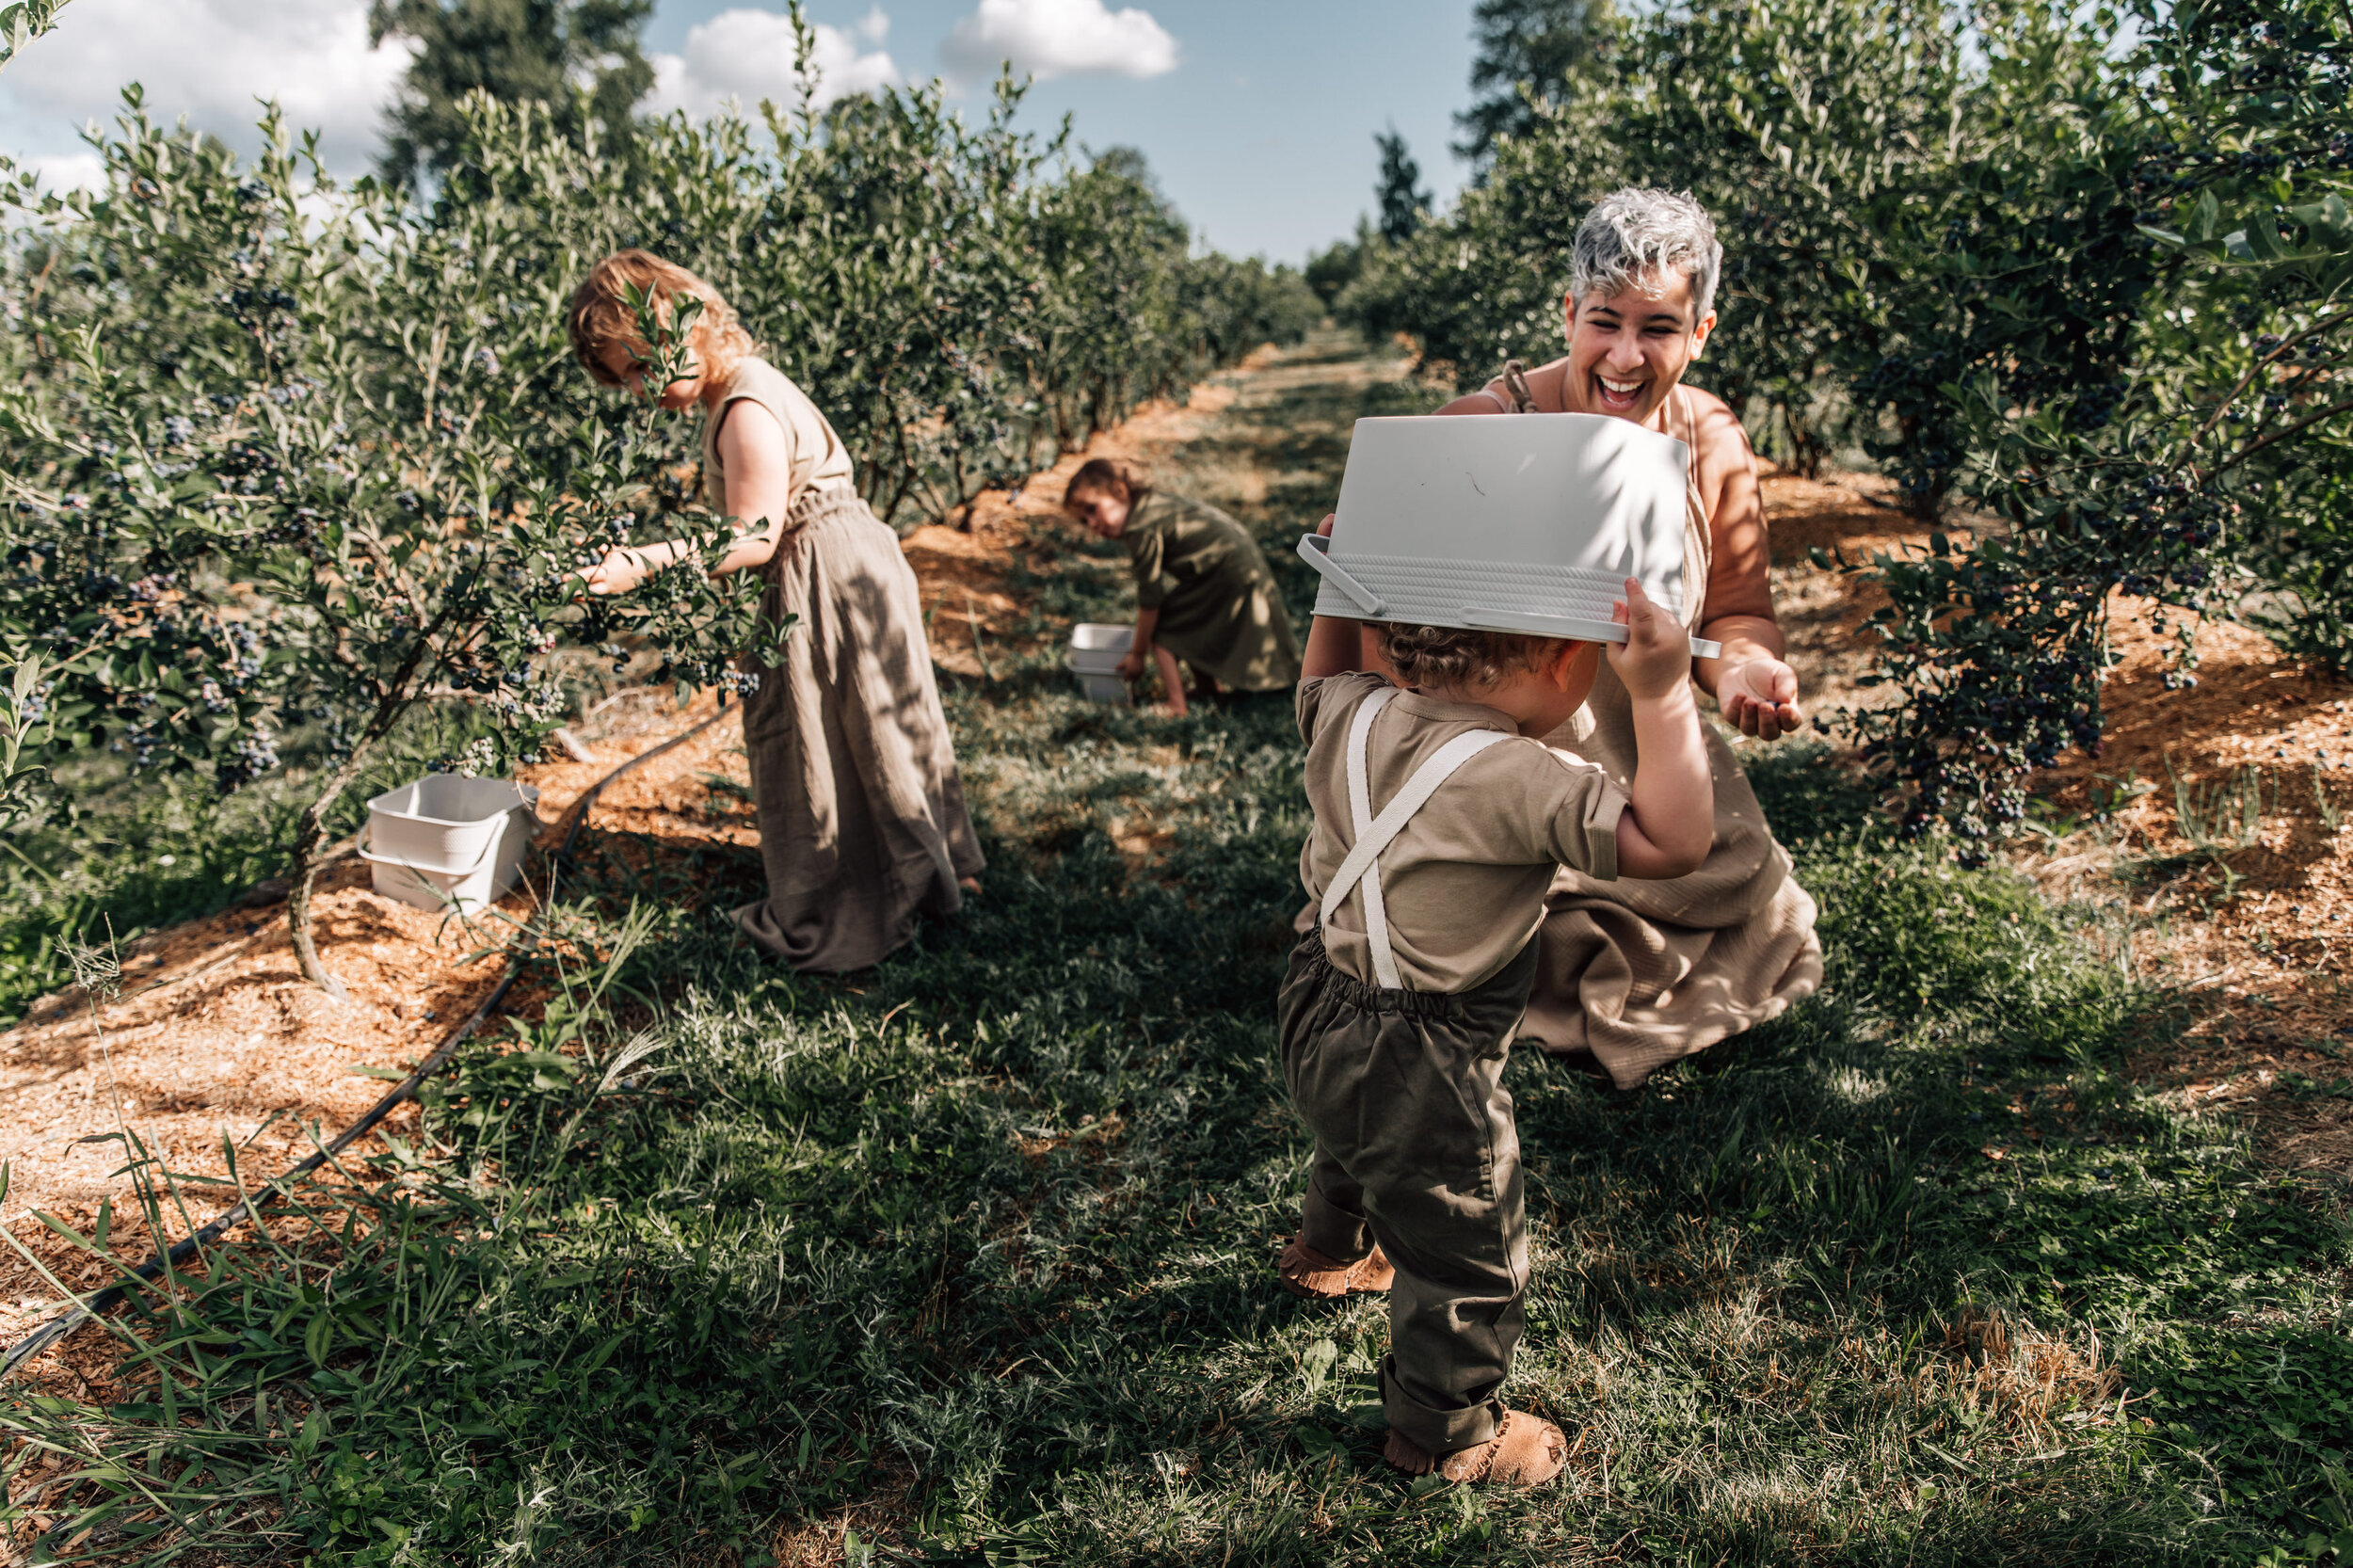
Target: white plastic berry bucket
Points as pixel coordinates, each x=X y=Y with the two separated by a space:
x=446 y=842
x=1095 y=650
x=1530 y=524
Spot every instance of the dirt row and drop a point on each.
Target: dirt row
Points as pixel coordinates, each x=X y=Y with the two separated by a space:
x=216 y=1045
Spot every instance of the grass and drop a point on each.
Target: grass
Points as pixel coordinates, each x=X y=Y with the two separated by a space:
x=138 y=852
x=968 y=1259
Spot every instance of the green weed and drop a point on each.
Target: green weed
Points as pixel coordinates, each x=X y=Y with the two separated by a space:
x=971 y=1254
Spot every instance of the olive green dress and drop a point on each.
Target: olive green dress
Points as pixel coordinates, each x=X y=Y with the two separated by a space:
x=1219 y=610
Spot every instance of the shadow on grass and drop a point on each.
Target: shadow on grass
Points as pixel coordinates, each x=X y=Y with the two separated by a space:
x=974 y=1252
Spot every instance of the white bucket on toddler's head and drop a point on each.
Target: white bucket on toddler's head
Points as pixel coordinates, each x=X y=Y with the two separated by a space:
x=1526 y=523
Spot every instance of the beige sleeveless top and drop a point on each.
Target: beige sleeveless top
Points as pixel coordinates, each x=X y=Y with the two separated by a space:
x=820 y=462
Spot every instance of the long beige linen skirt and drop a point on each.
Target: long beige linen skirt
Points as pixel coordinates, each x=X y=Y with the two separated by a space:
x=1642 y=974
x=862 y=823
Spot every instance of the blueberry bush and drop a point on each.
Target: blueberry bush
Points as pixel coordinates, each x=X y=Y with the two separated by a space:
x=2082 y=274
x=22 y=22
x=287 y=459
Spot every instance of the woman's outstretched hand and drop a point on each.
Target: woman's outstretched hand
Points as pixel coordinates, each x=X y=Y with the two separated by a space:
x=1760 y=699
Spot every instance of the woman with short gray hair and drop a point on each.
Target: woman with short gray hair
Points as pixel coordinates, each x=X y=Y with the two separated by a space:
x=1634 y=975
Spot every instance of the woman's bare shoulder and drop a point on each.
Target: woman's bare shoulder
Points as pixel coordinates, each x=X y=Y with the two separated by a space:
x=1486 y=400
x=1544 y=384
x=759 y=434
x=1718 y=432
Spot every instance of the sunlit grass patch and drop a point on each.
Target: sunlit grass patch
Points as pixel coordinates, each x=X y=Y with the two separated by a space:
x=972 y=1254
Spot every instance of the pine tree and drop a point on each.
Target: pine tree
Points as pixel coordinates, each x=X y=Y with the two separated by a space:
x=515 y=50
x=1402 y=207
x=1539 y=42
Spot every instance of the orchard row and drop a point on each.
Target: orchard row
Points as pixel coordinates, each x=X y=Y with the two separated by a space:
x=282 y=454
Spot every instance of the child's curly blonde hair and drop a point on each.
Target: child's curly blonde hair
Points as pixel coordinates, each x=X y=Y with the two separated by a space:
x=1448 y=656
x=602 y=319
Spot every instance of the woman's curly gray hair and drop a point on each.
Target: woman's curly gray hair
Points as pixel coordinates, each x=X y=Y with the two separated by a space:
x=1634 y=237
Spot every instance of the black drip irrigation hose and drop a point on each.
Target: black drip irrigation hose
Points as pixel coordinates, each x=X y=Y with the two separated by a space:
x=81 y=1312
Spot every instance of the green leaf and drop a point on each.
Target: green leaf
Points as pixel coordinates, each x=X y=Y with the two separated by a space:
x=603 y=1352
x=319 y=1337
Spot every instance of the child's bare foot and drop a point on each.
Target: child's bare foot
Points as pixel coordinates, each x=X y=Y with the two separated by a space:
x=1307 y=1273
x=1525 y=1452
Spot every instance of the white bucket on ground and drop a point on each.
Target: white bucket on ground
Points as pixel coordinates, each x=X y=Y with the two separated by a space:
x=1095 y=650
x=447 y=843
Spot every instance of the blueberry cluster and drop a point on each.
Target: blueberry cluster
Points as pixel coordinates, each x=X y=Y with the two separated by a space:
x=255 y=306
x=36 y=705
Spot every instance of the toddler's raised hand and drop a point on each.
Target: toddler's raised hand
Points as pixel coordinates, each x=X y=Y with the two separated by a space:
x=1655 y=657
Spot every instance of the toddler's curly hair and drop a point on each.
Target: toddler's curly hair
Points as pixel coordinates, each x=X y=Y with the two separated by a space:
x=1449 y=656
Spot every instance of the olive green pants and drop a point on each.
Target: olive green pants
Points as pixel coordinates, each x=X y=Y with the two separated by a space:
x=1416 y=1150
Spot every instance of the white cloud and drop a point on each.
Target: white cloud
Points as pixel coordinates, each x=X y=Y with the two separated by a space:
x=1060 y=38
x=208 y=60
x=748 y=56
x=61 y=173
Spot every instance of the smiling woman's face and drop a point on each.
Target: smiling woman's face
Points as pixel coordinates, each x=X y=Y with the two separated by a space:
x=1627 y=350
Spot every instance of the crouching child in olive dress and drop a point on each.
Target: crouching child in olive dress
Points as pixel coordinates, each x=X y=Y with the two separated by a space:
x=1439 y=819
x=1203 y=593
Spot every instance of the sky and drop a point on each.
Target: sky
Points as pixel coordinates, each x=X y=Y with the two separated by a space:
x=1258 y=116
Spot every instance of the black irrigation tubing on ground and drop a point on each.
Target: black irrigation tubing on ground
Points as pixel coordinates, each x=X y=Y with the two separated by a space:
x=73 y=1318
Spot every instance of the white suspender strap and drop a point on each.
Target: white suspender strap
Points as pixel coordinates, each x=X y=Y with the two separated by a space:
x=1360 y=823
x=1373 y=834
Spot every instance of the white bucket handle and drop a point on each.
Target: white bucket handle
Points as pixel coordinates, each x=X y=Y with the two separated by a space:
x=529 y=801
x=1316 y=549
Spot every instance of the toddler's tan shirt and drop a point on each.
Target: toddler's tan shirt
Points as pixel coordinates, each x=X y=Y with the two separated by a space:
x=1465 y=881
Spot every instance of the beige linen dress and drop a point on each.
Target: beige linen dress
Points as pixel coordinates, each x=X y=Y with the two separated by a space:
x=1641 y=973
x=1220 y=609
x=862 y=823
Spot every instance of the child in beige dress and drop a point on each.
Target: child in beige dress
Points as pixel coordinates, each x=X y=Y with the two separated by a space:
x=862 y=823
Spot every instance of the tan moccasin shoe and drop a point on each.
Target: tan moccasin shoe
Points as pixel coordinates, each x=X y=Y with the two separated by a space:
x=1525 y=1452
x=1307 y=1273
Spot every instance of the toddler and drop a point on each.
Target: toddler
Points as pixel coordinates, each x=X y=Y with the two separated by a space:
x=1439 y=819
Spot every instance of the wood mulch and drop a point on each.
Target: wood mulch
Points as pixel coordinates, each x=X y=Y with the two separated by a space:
x=216 y=1037
x=2254 y=931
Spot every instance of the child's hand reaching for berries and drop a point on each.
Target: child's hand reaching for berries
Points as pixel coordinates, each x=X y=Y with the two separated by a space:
x=1657 y=655
x=621 y=570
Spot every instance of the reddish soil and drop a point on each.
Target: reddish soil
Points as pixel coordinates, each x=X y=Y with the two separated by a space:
x=216 y=1045
x=2256 y=933
x=216 y=1037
